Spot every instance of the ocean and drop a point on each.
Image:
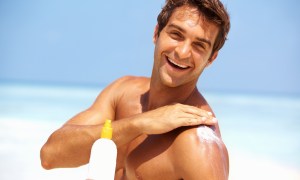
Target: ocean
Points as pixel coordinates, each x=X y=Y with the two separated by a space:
x=261 y=131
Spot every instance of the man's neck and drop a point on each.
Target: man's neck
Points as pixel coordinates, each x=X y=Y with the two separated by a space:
x=162 y=95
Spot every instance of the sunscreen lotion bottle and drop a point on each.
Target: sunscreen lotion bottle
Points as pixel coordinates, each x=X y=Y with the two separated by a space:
x=103 y=157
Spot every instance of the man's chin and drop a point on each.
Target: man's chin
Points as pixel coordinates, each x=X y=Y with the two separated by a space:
x=170 y=82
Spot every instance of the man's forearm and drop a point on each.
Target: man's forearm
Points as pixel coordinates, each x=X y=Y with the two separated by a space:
x=70 y=145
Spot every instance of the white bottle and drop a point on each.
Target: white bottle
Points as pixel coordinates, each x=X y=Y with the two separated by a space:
x=103 y=157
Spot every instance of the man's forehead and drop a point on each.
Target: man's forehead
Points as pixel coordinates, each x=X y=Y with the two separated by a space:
x=192 y=17
x=187 y=13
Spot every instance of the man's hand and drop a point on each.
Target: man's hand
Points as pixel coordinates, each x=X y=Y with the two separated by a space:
x=167 y=118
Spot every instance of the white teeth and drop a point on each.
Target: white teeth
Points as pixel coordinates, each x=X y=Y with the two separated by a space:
x=179 y=65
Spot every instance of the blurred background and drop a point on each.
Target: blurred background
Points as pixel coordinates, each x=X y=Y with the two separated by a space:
x=95 y=42
x=56 y=56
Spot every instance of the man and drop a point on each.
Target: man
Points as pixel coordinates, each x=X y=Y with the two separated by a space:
x=163 y=127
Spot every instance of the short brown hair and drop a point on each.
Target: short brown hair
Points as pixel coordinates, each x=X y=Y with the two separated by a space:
x=212 y=10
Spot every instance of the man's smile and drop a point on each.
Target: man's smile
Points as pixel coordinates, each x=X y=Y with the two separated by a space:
x=176 y=64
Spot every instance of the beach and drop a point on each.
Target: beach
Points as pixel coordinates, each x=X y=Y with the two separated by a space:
x=26 y=122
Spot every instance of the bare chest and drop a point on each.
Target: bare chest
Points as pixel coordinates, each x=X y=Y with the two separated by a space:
x=146 y=157
x=150 y=158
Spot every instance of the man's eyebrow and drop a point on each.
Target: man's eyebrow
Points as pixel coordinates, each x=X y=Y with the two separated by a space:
x=204 y=40
x=184 y=31
x=176 y=27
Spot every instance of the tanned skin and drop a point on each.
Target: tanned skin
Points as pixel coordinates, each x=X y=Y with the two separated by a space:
x=163 y=127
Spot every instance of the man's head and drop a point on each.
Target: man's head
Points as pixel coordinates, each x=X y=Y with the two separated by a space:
x=211 y=10
x=187 y=39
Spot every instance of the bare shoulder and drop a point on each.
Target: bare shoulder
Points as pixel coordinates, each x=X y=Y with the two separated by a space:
x=199 y=101
x=117 y=89
x=199 y=153
x=133 y=79
x=128 y=81
x=105 y=105
x=124 y=83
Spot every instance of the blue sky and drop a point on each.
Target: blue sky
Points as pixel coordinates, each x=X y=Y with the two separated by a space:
x=95 y=42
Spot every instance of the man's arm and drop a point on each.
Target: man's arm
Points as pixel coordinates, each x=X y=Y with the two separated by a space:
x=70 y=145
x=201 y=154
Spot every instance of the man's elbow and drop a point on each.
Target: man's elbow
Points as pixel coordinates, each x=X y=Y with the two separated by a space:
x=46 y=160
x=46 y=165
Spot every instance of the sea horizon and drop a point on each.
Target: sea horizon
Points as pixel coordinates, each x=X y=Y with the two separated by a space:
x=260 y=131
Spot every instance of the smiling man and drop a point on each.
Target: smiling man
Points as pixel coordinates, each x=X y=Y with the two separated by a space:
x=163 y=127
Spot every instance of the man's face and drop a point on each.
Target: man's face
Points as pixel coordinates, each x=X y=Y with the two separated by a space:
x=183 y=47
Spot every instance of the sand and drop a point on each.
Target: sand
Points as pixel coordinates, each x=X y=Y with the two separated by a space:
x=21 y=141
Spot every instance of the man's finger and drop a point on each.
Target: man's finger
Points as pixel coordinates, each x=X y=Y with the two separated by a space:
x=197 y=111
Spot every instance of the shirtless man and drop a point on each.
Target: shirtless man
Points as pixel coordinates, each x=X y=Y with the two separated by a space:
x=163 y=127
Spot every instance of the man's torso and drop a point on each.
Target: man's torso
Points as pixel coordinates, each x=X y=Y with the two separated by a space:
x=147 y=156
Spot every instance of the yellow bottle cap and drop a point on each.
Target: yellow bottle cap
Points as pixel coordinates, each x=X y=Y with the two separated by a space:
x=106 y=130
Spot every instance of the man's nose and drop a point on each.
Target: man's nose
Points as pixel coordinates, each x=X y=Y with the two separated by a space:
x=183 y=50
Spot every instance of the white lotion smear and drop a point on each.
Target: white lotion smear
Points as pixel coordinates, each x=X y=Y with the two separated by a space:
x=208 y=135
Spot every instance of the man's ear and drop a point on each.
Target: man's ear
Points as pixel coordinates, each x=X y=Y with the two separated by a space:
x=155 y=35
x=212 y=58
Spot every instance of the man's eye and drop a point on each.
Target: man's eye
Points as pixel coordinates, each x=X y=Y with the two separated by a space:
x=175 y=35
x=200 y=45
